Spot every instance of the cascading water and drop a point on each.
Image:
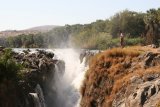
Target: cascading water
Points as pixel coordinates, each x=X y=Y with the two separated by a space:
x=38 y=97
x=67 y=85
x=39 y=91
x=35 y=99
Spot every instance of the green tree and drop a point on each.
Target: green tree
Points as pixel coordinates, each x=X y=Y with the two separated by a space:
x=152 y=26
x=129 y=22
x=9 y=69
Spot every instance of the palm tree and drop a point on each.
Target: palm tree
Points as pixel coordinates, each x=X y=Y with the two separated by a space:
x=152 y=22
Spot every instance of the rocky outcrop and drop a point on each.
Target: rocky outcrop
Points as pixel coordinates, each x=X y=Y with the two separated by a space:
x=140 y=93
x=149 y=59
x=86 y=55
x=38 y=69
x=122 y=79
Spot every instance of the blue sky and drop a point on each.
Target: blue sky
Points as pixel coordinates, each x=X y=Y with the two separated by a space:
x=22 y=14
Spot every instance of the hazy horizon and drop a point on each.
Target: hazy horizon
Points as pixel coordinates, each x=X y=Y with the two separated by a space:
x=20 y=15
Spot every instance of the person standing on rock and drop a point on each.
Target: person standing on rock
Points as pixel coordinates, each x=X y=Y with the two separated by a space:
x=121 y=39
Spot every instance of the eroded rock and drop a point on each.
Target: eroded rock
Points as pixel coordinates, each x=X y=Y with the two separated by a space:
x=123 y=82
x=38 y=68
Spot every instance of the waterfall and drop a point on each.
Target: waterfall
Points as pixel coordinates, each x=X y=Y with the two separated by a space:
x=35 y=99
x=39 y=91
x=67 y=85
x=38 y=97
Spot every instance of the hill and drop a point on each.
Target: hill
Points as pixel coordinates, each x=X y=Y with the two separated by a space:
x=44 y=28
x=34 y=30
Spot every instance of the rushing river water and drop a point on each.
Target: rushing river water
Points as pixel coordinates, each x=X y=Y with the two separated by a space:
x=67 y=86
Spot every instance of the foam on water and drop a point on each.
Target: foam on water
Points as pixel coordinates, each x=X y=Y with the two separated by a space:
x=69 y=84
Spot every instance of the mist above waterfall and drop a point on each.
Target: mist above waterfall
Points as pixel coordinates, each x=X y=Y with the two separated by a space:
x=67 y=85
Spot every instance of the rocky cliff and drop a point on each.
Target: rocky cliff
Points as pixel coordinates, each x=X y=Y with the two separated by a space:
x=128 y=77
x=33 y=85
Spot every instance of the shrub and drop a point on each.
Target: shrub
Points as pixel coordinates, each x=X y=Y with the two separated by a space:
x=8 y=67
x=134 y=41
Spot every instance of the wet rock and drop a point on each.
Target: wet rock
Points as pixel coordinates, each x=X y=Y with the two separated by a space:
x=82 y=55
x=60 y=66
x=42 y=65
x=26 y=51
x=86 y=56
x=50 y=55
x=38 y=68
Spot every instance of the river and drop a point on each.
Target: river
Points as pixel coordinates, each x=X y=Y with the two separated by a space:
x=67 y=86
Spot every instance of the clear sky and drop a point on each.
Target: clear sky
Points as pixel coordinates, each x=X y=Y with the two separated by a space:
x=22 y=14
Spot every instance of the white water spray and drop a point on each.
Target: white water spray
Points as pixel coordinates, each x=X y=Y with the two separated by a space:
x=68 y=85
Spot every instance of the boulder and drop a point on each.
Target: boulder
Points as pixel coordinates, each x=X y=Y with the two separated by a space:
x=82 y=55
x=142 y=92
x=149 y=59
x=42 y=65
x=144 y=95
x=86 y=56
x=50 y=55
x=154 y=46
x=26 y=51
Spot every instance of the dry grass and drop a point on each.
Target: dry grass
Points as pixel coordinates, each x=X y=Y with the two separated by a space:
x=143 y=49
x=119 y=52
x=110 y=71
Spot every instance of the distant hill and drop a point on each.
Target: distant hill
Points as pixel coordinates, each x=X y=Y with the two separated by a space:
x=42 y=28
x=34 y=30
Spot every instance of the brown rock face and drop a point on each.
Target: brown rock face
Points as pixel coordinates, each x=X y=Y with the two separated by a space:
x=122 y=78
x=139 y=93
